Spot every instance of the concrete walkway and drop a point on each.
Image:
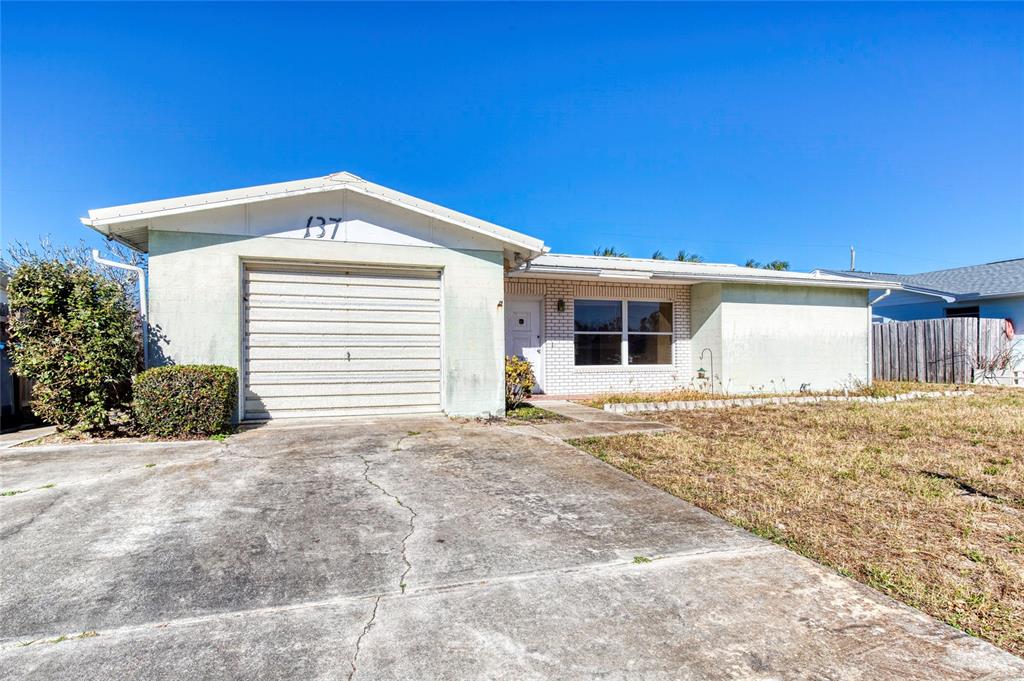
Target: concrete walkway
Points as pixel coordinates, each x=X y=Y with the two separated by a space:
x=18 y=437
x=589 y=422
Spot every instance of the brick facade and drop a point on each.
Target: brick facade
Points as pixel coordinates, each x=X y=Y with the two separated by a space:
x=562 y=377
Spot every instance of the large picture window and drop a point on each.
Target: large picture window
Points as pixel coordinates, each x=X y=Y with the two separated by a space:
x=602 y=339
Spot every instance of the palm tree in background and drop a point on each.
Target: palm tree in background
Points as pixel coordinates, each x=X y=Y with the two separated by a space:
x=683 y=256
x=610 y=252
x=778 y=265
x=658 y=255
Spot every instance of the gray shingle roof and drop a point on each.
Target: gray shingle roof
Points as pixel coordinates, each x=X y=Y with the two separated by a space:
x=1005 y=277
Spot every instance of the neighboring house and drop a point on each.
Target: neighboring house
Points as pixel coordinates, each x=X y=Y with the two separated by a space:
x=337 y=296
x=994 y=290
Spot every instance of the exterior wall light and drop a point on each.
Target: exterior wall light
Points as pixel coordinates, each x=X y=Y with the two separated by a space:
x=561 y=305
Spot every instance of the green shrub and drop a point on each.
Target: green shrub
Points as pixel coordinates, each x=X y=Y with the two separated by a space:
x=72 y=331
x=186 y=400
x=519 y=382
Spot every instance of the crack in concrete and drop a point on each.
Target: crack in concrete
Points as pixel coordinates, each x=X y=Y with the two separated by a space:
x=405 y=557
x=16 y=529
x=412 y=519
x=359 y=641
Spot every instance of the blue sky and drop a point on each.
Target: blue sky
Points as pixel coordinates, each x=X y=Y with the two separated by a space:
x=735 y=131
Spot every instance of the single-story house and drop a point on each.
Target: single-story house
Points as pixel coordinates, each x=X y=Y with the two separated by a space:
x=336 y=296
x=993 y=290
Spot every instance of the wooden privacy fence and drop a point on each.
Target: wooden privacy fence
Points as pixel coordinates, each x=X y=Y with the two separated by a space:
x=935 y=350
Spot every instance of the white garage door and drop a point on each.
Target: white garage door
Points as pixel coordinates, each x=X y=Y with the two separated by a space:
x=340 y=342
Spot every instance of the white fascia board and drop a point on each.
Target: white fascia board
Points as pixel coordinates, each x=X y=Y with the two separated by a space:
x=533 y=247
x=556 y=272
x=337 y=182
x=198 y=202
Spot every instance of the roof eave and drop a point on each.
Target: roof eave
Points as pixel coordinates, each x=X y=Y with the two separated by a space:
x=553 y=271
x=107 y=234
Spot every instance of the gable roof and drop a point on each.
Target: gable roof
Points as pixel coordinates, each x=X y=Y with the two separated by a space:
x=988 y=280
x=640 y=269
x=129 y=224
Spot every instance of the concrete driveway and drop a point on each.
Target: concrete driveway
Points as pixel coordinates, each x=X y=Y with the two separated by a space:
x=413 y=550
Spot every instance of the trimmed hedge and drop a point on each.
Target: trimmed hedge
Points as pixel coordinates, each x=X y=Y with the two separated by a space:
x=185 y=400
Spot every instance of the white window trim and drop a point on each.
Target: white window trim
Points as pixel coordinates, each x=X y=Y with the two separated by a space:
x=624 y=334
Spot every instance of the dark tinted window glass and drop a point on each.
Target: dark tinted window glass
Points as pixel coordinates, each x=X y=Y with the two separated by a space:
x=598 y=315
x=650 y=316
x=962 y=311
x=649 y=350
x=596 y=349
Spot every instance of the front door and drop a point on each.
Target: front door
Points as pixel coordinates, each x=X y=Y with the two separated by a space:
x=523 y=335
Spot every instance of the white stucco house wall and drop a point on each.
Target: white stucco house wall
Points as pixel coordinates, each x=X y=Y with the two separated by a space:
x=335 y=296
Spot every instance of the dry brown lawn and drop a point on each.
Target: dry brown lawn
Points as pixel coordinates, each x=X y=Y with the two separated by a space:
x=923 y=500
x=876 y=389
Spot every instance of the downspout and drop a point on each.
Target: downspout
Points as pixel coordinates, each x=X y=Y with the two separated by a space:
x=871 y=333
x=143 y=307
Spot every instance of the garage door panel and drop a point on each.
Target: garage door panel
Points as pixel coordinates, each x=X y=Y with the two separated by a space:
x=334 y=364
x=354 y=411
x=376 y=316
x=340 y=302
x=272 y=404
x=328 y=378
x=395 y=329
x=350 y=388
x=336 y=342
x=342 y=291
x=288 y=340
x=356 y=352
x=331 y=277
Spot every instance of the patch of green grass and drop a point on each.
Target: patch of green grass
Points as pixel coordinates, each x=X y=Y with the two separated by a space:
x=220 y=437
x=150 y=465
x=410 y=433
x=890 y=581
x=528 y=412
x=639 y=560
x=12 y=492
x=975 y=556
x=50 y=486
x=61 y=638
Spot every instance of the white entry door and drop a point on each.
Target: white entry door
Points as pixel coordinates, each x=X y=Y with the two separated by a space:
x=523 y=335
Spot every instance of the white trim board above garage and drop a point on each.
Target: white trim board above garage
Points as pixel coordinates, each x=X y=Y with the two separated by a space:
x=130 y=223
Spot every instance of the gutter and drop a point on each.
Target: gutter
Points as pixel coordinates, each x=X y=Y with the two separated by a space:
x=870 y=339
x=949 y=298
x=143 y=303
